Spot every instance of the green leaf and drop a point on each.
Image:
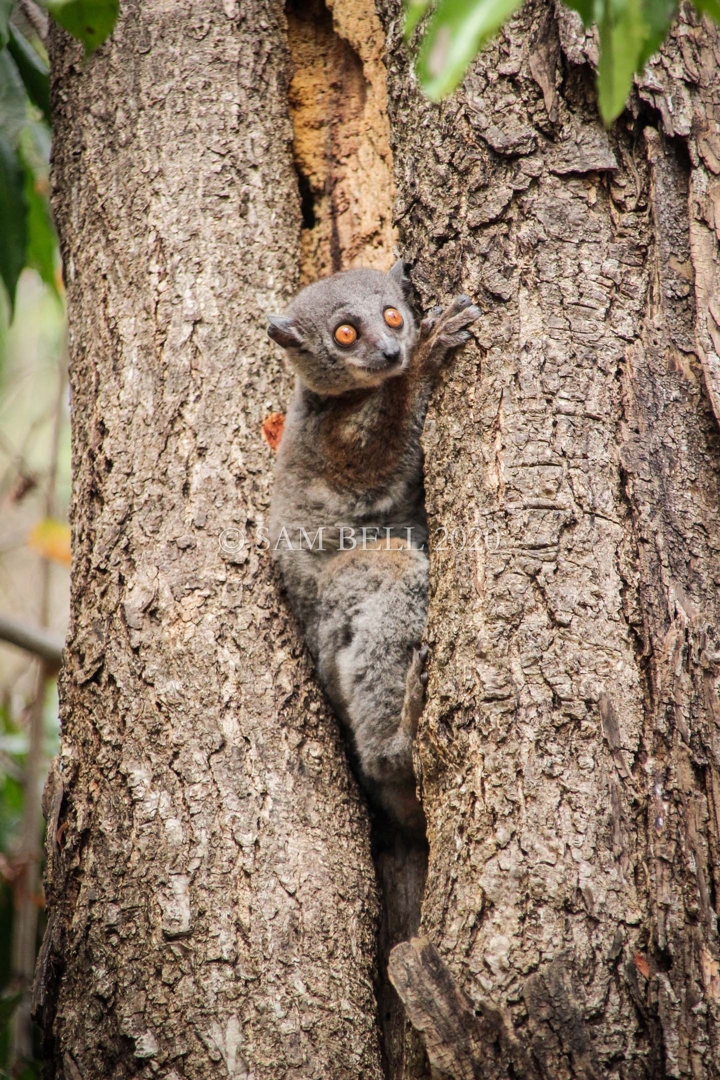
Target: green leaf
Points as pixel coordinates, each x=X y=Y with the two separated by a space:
x=585 y=9
x=90 y=21
x=414 y=11
x=13 y=99
x=6 y=7
x=457 y=31
x=33 y=71
x=623 y=34
x=658 y=15
x=631 y=31
x=36 y=141
x=41 y=240
x=13 y=219
x=709 y=7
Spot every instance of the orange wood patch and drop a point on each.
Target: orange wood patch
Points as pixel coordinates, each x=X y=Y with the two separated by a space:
x=272 y=429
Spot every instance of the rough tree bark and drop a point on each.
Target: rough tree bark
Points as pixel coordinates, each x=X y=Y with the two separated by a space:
x=211 y=891
x=213 y=908
x=570 y=750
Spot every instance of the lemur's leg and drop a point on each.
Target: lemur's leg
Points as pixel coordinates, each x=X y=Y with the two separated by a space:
x=372 y=615
x=415 y=682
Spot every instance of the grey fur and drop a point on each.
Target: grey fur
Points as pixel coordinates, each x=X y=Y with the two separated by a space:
x=350 y=456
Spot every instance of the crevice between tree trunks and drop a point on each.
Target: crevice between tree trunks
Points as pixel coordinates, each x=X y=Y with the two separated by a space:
x=342 y=155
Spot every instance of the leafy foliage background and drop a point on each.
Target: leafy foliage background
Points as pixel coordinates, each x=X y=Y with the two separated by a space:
x=34 y=496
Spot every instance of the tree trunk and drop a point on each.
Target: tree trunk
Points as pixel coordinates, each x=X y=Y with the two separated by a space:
x=212 y=896
x=570 y=749
x=213 y=906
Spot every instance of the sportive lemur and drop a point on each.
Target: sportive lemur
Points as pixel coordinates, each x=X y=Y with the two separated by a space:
x=347 y=524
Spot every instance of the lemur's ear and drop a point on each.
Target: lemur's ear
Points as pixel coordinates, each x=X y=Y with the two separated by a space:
x=284 y=331
x=398 y=274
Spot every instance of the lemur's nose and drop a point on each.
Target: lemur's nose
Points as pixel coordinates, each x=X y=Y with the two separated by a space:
x=390 y=350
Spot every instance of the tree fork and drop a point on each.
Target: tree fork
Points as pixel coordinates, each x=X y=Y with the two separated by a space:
x=343 y=159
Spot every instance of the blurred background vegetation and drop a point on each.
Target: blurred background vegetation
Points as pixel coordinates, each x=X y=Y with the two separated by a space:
x=34 y=588
x=34 y=495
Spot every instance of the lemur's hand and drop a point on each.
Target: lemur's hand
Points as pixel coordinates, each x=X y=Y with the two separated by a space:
x=442 y=331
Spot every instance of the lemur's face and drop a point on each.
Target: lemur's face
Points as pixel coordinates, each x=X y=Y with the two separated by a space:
x=349 y=331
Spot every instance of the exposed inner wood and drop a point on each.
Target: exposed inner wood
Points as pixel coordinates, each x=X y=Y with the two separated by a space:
x=341 y=145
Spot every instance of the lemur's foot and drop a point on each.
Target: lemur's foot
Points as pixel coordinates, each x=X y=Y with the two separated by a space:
x=423 y=654
x=445 y=330
x=415 y=683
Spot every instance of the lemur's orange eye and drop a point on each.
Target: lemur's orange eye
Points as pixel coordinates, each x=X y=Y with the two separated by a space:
x=393 y=317
x=346 y=334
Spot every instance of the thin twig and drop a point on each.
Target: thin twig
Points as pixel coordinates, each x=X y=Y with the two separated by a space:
x=18 y=461
x=36 y=17
x=36 y=640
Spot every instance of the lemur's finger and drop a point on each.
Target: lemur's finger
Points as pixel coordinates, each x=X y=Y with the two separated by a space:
x=458 y=304
x=454 y=331
x=430 y=320
x=465 y=317
x=452 y=341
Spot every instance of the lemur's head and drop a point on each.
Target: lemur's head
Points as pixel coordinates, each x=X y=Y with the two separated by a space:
x=349 y=331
